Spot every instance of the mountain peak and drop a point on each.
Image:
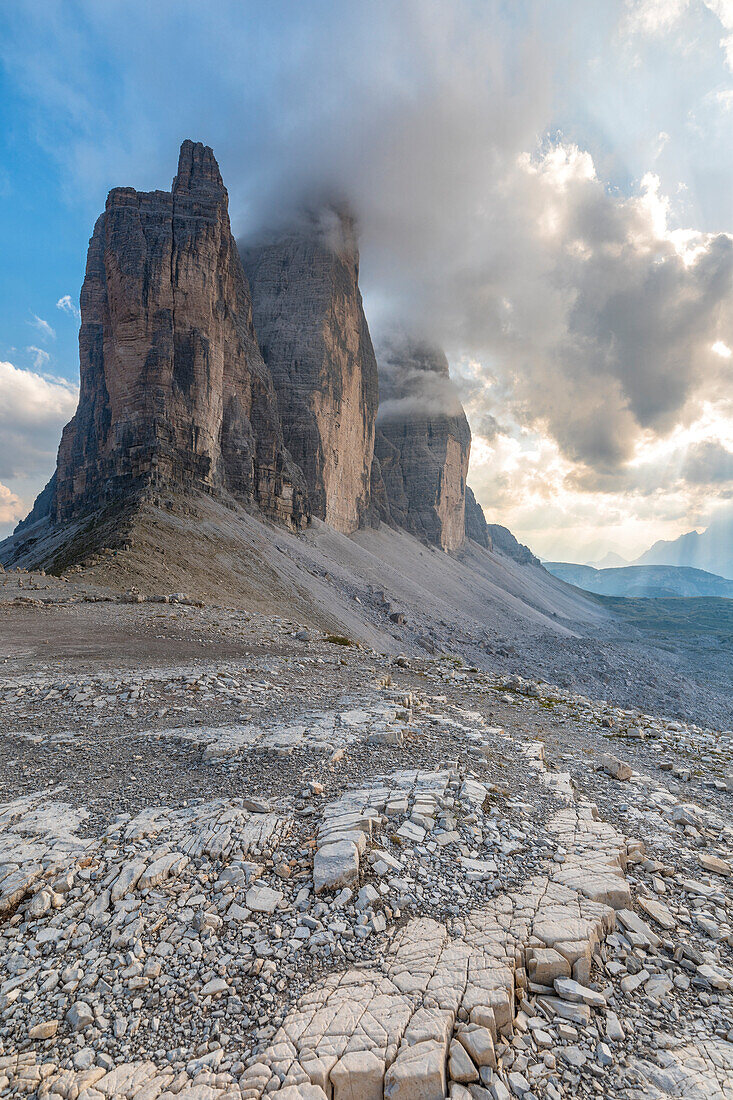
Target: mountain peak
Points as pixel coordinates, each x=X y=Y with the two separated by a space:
x=198 y=169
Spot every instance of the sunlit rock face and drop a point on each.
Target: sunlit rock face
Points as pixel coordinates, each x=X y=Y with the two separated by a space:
x=423 y=443
x=314 y=337
x=174 y=392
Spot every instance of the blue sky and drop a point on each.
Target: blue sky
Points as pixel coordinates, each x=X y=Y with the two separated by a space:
x=545 y=188
x=45 y=240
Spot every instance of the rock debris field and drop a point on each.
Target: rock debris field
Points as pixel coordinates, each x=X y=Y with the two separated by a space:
x=266 y=861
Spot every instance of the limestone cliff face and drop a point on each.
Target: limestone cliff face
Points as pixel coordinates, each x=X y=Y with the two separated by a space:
x=506 y=543
x=476 y=526
x=174 y=392
x=314 y=337
x=192 y=380
x=423 y=443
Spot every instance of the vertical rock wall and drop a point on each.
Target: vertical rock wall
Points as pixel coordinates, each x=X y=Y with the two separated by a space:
x=423 y=443
x=174 y=392
x=476 y=526
x=315 y=340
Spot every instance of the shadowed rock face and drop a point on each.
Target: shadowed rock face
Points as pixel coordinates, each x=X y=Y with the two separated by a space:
x=174 y=392
x=476 y=526
x=315 y=340
x=504 y=541
x=423 y=443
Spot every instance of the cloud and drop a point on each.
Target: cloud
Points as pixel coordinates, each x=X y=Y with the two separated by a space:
x=523 y=478
x=40 y=357
x=33 y=410
x=43 y=327
x=481 y=226
x=707 y=463
x=582 y=307
x=659 y=17
x=601 y=324
x=12 y=507
x=414 y=380
x=67 y=305
x=653 y=17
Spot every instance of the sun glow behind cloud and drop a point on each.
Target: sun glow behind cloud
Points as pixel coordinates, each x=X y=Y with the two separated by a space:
x=660 y=474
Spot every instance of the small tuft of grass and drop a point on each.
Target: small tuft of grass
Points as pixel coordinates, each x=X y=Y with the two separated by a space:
x=338 y=639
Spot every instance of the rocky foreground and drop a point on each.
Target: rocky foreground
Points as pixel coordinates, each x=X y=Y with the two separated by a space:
x=241 y=857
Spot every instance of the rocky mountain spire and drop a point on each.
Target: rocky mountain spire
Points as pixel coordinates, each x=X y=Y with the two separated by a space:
x=174 y=392
x=266 y=391
x=315 y=340
x=423 y=442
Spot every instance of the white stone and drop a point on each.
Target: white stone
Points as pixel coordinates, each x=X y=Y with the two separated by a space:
x=358 y=1075
x=127 y=879
x=460 y=1065
x=570 y=990
x=296 y=1092
x=335 y=865
x=417 y=1073
x=263 y=899
x=161 y=869
x=479 y=1044
x=214 y=988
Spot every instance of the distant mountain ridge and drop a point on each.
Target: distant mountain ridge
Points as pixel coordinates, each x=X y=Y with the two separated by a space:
x=648 y=581
x=710 y=550
x=611 y=560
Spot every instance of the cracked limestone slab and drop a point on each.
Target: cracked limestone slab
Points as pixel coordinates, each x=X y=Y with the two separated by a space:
x=691 y=1071
x=325 y=731
x=430 y=975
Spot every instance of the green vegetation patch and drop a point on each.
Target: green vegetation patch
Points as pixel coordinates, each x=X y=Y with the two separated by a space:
x=674 y=614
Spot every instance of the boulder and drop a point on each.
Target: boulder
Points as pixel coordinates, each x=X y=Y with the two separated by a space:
x=79 y=1016
x=616 y=768
x=546 y=964
x=358 y=1075
x=417 y=1073
x=335 y=865
x=479 y=1044
x=460 y=1065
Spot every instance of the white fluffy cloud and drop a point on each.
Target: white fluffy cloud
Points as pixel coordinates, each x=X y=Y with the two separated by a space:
x=606 y=324
x=566 y=510
x=33 y=410
x=12 y=507
x=654 y=16
x=659 y=17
